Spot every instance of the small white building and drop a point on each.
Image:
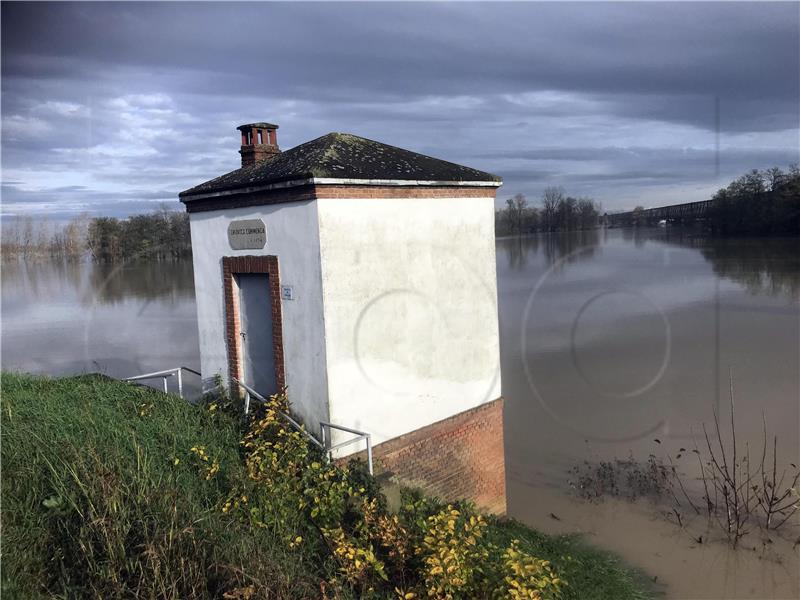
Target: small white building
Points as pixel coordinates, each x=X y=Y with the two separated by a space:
x=361 y=277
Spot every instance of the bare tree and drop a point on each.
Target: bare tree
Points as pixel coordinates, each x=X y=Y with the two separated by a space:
x=588 y=213
x=776 y=177
x=11 y=237
x=551 y=198
x=26 y=235
x=74 y=236
x=515 y=212
x=44 y=232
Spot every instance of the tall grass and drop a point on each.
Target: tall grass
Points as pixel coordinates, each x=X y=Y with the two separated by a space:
x=95 y=505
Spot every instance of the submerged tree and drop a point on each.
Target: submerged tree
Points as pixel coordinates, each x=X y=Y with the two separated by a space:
x=551 y=198
x=160 y=235
x=518 y=216
x=28 y=237
x=558 y=212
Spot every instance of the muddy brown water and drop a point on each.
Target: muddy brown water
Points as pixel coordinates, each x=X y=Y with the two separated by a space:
x=610 y=340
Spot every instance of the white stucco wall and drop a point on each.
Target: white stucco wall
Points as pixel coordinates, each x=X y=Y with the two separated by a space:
x=410 y=301
x=292 y=236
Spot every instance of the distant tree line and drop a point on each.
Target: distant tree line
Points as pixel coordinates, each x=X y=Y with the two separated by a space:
x=760 y=203
x=163 y=234
x=160 y=235
x=757 y=203
x=29 y=237
x=556 y=212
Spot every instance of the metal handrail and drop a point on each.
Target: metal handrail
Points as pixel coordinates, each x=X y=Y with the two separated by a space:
x=251 y=392
x=323 y=424
x=361 y=435
x=176 y=372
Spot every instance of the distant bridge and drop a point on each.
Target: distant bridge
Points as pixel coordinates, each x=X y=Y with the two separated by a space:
x=674 y=213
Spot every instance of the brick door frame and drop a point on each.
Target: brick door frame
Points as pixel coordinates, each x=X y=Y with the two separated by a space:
x=261 y=265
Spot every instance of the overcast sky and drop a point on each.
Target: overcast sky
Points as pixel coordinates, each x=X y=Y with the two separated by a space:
x=113 y=108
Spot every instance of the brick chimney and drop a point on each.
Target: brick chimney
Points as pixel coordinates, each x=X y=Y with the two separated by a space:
x=259 y=142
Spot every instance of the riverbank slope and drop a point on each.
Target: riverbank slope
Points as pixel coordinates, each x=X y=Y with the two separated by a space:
x=112 y=490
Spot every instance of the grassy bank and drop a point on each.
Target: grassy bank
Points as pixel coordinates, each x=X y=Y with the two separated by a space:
x=113 y=491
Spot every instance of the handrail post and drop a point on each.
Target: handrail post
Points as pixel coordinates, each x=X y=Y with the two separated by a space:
x=325 y=443
x=369 y=453
x=361 y=435
x=164 y=375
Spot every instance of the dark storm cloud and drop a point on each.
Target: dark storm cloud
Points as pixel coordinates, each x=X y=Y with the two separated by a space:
x=120 y=98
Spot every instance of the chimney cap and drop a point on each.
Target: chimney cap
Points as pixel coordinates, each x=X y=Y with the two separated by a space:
x=262 y=125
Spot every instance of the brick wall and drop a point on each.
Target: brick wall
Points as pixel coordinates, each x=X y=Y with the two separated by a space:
x=403 y=191
x=258 y=153
x=305 y=193
x=459 y=457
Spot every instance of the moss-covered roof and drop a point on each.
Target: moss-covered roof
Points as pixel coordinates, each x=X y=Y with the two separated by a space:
x=343 y=156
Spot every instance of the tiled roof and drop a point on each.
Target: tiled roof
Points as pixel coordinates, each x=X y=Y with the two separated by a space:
x=343 y=156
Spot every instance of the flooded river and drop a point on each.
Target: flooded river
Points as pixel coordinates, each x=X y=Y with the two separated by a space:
x=122 y=320
x=616 y=344
x=621 y=344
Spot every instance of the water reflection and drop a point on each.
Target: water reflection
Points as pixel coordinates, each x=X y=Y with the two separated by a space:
x=40 y=279
x=555 y=247
x=63 y=317
x=646 y=325
x=760 y=265
x=109 y=283
x=611 y=340
x=102 y=283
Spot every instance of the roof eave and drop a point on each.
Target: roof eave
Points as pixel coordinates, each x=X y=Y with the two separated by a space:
x=278 y=185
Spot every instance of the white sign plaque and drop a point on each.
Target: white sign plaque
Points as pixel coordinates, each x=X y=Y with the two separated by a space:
x=248 y=234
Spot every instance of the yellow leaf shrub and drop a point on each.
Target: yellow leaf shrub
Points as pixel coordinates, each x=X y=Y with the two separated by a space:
x=426 y=550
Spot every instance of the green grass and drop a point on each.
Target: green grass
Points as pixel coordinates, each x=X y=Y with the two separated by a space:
x=102 y=497
x=94 y=505
x=591 y=573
